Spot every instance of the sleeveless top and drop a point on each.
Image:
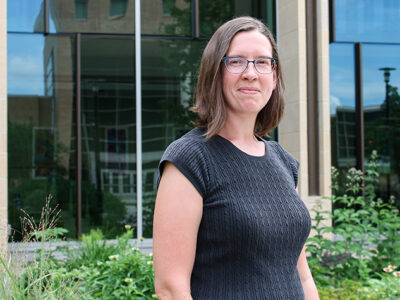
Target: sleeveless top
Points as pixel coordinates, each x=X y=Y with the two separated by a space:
x=254 y=224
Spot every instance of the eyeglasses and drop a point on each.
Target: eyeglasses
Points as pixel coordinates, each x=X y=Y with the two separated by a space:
x=237 y=64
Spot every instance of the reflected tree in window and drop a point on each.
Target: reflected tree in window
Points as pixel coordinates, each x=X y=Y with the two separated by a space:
x=382 y=133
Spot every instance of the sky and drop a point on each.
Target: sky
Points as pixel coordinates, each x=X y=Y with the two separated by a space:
x=342 y=80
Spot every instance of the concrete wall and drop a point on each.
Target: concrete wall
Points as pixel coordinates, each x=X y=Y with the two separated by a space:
x=291 y=16
x=3 y=126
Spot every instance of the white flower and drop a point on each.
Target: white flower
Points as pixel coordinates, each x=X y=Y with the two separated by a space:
x=128 y=280
x=149 y=262
x=135 y=249
x=113 y=256
x=396 y=273
x=127 y=227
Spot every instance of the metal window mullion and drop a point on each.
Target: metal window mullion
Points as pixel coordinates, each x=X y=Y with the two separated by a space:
x=138 y=75
x=312 y=98
x=359 y=107
x=78 y=138
x=332 y=22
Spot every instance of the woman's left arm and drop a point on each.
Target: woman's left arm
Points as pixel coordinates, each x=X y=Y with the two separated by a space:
x=307 y=281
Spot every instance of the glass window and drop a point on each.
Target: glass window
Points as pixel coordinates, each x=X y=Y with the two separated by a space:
x=118 y=8
x=40 y=127
x=167 y=17
x=367 y=20
x=213 y=13
x=108 y=134
x=116 y=17
x=381 y=82
x=81 y=9
x=168 y=85
x=342 y=105
x=25 y=15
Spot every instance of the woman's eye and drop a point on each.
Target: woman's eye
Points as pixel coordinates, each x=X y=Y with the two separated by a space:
x=263 y=62
x=235 y=61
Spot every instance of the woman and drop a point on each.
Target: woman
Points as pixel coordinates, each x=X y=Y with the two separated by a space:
x=228 y=222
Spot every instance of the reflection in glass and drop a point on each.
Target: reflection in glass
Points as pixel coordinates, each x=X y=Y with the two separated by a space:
x=168 y=84
x=342 y=106
x=213 y=13
x=40 y=128
x=108 y=134
x=81 y=9
x=106 y=16
x=381 y=82
x=167 y=17
x=367 y=21
x=25 y=15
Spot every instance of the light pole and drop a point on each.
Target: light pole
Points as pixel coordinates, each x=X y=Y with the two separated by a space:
x=386 y=78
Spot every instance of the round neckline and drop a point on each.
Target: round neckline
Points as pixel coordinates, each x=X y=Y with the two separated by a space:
x=236 y=149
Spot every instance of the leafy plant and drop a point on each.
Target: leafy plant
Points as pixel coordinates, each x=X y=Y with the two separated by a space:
x=40 y=278
x=366 y=231
x=112 y=272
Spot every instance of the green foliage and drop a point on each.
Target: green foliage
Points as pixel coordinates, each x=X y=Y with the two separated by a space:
x=106 y=271
x=387 y=287
x=97 y=270
x=367 y=236
x=39 y=279
x=93 y=248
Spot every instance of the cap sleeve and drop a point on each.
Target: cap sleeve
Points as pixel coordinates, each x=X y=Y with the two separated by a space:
x=291 y=163
x=189 y=157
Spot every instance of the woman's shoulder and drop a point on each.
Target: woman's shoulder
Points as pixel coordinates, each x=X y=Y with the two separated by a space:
x=191 y=146
x=284 y=157
x=280 y=153
x=188 y=155
x=194 y=139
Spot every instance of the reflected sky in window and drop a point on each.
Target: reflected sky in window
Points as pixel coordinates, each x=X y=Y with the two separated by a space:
x=25 y=16
x=367 y=20
x=25 y=69
x=374 y=58
x=341 y=76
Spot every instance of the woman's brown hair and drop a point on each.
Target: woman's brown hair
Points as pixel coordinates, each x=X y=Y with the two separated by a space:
x=210 y=104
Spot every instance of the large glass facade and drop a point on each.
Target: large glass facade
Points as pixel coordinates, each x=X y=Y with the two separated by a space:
x=361 y=31
x=108 y=134
x=41 y=152
x=82 y=59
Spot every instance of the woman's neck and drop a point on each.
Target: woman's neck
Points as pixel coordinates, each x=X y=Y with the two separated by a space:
x=238 y=130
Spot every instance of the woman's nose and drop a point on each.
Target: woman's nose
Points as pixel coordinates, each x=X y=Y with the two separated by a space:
x=250 y=71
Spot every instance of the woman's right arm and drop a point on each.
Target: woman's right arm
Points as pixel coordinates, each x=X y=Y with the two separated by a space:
x=177 y=215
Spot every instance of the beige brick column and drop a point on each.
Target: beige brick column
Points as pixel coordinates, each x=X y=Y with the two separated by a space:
x=324 y=122
x=291 y=16
x=292 y=52
x=3 y=126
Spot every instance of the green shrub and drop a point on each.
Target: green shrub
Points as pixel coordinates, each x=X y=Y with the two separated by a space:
x=106 y=271
x=369 y=239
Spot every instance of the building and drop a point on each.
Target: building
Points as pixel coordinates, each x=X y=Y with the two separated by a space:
x=72 y=124
x=364 y=82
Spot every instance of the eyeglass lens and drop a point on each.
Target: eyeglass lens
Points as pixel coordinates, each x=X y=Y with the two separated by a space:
x=238 y=65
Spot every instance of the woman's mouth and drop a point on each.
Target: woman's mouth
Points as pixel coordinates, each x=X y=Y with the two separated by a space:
x=248 y=90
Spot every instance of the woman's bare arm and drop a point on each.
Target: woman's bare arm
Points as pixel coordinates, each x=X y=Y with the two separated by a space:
x=177 y=214
x=307 y=281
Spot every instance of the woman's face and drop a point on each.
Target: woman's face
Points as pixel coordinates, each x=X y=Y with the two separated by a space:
x=248 y=92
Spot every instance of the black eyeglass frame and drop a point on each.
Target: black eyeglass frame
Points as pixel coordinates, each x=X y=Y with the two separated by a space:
x=274 y=62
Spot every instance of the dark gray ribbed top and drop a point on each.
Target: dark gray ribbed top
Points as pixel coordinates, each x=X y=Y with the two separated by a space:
x=254 y=224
